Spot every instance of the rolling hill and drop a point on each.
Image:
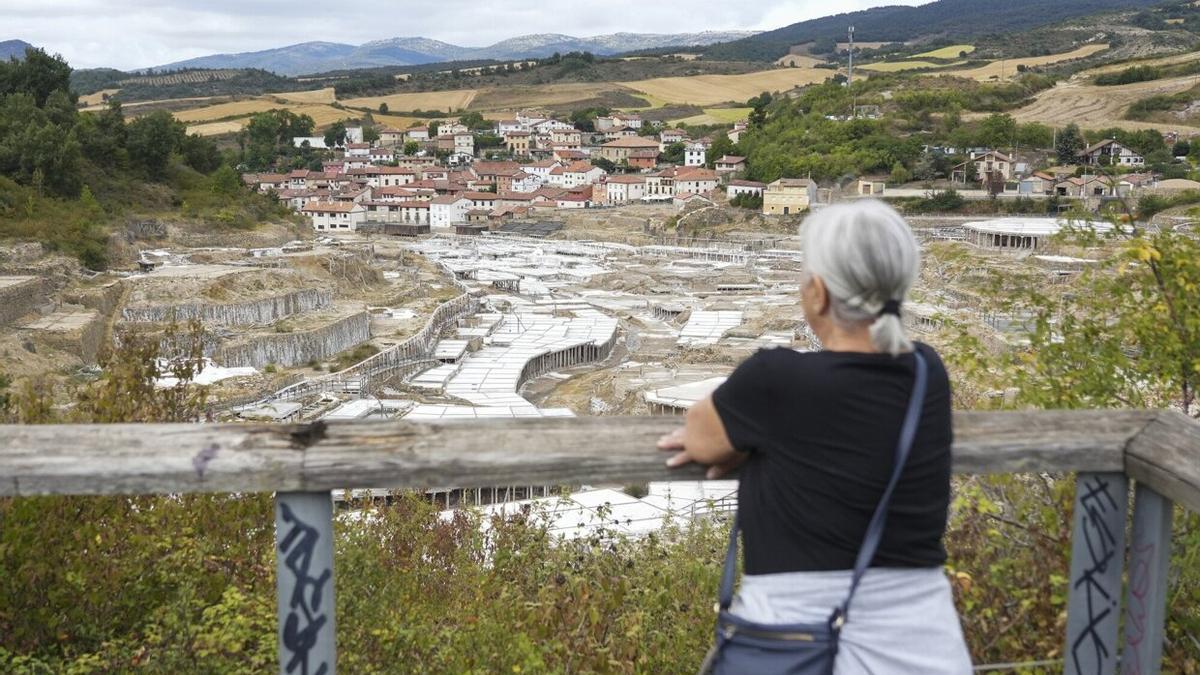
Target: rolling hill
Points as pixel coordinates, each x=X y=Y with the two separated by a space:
x=944 y=18
x=316 y=57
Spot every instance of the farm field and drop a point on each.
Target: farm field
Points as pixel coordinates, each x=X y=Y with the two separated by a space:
x=455 y=99
x=97 y=99
x=899 y=66
x=222 y=110
x=950 y=52
x=533 y=96
x=216 y=128
x=717 y=116
x=1093 y=107
x=998 y=70
x=325 y=95
x=711 y=89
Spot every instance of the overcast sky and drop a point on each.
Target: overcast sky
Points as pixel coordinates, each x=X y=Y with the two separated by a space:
x=130 y=34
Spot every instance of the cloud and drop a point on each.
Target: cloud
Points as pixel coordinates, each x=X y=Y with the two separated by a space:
x=126 y=34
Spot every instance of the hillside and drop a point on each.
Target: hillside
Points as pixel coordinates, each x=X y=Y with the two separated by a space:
x=316 y=57
x=943 y=18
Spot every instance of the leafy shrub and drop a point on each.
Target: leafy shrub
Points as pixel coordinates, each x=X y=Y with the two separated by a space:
x=1129 y=76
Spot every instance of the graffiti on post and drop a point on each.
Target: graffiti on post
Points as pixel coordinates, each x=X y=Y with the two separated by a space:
x=1136 y=610
x=1101 y=548
x=306 y=618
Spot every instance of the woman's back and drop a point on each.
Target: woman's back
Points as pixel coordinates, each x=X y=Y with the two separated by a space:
x=821 y=429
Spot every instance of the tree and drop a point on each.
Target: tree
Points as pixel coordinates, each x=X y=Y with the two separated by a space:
x=998 y=130
x=1182 y=148
x=152 y=139
x=370 y=134
x=38 y=74
x=335 y=135
x=411 y=147
x=674 y=153
x=900 y=174
x=720 y=147
x=605 y=164
x=383 y=108
x=225 y=181
x=1069 y=144
x=200 y=153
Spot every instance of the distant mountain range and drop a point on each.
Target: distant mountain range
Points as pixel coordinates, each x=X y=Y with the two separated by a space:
x=316 y=57
x=11 y=48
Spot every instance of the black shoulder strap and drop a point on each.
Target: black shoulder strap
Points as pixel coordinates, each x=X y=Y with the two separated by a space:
x=874 y=534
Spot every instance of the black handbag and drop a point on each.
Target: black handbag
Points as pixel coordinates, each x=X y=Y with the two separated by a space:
x=804 y=648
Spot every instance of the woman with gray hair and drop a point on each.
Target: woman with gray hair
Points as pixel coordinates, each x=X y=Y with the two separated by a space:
x=815 y=435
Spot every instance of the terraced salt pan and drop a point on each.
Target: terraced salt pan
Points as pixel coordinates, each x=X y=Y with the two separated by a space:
x=707 y=327
x=588 y=511
x=496 y=369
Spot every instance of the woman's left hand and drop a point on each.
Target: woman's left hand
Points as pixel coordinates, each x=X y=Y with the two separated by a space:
x=674 y=441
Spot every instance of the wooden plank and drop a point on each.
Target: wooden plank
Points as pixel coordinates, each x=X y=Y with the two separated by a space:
x=1166 y=457
x=169 y=458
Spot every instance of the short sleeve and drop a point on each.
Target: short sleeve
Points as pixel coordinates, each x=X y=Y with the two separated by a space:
x=743 y=402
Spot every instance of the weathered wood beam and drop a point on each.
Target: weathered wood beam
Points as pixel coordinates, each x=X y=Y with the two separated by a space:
x=1166 y=456
x=177 y=458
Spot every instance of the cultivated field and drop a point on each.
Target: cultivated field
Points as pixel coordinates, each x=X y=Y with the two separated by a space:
x=97 y=99
x=951 y=52
x=899 y=66
x=223 y=110
x=458 y=99
x=711 y=89
x=541 y=95
x=217 y=128
x=313 y=96
x=717 y=116
x=1004 y=68
x=1093 y=107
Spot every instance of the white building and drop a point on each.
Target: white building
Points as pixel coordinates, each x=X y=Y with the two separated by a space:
x=622 y=189
x=339 y=216
x=693 y=154
x=313 y=141
x=449 y=210
x=524 y=181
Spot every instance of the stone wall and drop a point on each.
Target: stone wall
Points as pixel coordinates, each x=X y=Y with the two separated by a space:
x=256 y=312
x=20 y=296
x=293 y=349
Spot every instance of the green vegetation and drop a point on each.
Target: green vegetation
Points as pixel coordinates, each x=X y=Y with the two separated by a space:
x=66 y=175
x=184 y=83
x=352 y=356
x=1149 y=106
x=1129 y=76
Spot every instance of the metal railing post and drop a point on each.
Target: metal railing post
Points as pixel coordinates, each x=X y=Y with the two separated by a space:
x=304 y=581
x=1146 y=594
x=1097 y=558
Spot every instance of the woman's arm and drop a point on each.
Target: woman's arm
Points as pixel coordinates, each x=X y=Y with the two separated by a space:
x=703 y=440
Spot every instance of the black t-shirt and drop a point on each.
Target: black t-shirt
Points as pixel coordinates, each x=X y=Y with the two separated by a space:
x=821 y=429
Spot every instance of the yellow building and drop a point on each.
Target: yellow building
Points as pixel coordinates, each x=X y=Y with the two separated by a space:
x=788 y=196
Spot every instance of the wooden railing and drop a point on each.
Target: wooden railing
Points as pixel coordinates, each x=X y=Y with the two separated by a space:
x=303 y=463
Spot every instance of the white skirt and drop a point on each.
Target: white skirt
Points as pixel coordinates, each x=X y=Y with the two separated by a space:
x=901 y=620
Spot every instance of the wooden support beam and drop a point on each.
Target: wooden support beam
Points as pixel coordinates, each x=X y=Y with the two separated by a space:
x=1165 y=455
x=179 y=458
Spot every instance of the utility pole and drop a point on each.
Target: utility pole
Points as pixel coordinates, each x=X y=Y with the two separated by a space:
x=850 y=67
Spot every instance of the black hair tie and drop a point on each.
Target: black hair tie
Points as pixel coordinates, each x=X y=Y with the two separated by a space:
x=890 y=307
